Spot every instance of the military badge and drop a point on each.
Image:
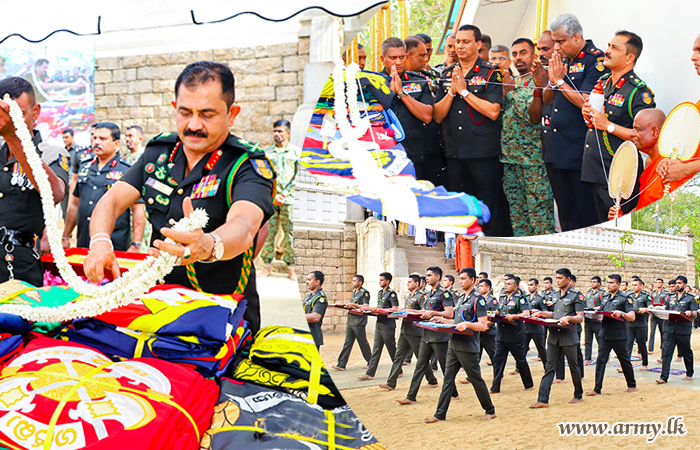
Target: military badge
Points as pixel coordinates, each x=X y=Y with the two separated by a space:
x=158 y=186
x=599 y=64
x=165 y=201
x=580 y=297
x=114 y=175
x=162 y=158
x=161 y=172
x=150 y=167
x=476 y=69
x=616 y=100
x=207 y=187
x=576 y=68
x=263 y=168
x=172 y=181
x=647 y=98
x=63 y=161
x=482 y=302
x=84 y=171
x=412 y=88
x=477 y=81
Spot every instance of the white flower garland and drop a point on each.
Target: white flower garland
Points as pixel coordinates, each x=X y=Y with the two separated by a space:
x=95 y=299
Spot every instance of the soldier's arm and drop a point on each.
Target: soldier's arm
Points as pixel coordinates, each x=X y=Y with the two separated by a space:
x=442 y=107
x=138 y=219
x=422 y=111
x=490 y=106
x=313 y=317
x=71 y=219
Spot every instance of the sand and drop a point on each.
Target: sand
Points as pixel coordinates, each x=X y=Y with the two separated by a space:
x=516 y=426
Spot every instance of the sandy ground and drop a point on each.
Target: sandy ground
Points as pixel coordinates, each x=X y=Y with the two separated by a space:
x=516 y=426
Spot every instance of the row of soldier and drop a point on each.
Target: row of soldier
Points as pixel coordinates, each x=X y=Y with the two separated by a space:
x=476 y=126
x=474 y=309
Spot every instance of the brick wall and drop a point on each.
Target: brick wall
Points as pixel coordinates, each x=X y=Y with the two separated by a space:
x=138 y=90
x=335 y=254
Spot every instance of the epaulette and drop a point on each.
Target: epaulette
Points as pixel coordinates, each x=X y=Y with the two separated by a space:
x=489 y=64
x=637 y=82
x=253 y=149
x=595 y=51
x=417 y=74
x=605 y=76
x=166 y=136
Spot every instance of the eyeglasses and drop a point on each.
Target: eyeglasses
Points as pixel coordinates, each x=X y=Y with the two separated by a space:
x=500 y=58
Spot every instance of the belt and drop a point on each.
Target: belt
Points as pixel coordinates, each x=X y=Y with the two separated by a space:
x=17 y=238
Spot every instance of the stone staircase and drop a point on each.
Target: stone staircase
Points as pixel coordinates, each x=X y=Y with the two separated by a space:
x=420 y=258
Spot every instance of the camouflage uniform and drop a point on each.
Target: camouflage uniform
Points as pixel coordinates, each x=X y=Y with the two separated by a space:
x=525 y=180
x=285 y=161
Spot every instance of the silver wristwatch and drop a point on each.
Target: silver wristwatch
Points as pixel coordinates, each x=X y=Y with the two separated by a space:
x=217 y=252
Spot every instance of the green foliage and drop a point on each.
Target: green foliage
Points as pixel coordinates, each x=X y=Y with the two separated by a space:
x=620 y=259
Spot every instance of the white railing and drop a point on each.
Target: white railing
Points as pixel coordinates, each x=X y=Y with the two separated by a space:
x=603 y=239
x=317 y=206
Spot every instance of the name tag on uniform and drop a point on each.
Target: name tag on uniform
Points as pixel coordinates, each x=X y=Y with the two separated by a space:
x=477 y=81
x=616 y=100
x=576 y=68
x=158 y=186
x=206 y=187
x=412 y=88
x=114 y=175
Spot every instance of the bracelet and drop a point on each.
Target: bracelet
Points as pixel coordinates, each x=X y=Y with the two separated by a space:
x=101 y=239
x=66 y=237
x=451 y=94
x=97 y=234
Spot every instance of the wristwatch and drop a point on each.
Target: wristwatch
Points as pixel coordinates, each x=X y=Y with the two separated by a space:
x=611 y=128
x=136 y=244
x=217 y=252
x=464 y=93
x=560 y=82
x=401 y=95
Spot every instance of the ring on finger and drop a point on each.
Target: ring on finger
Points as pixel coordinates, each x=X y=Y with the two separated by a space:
x=187 y=253
x=178 y=261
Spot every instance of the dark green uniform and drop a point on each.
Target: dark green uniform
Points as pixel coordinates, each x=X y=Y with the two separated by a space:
x=638 y=328
x=593 y=299
x=658 y=298
x=464 y=352
x=432 y=341
x=510 y=338
x=238 y=171
x=384 y=331
x=677 y=333
x=535 y=332
x=563 y=341
x=22 y=220
x=316 y=302
x=487 y=339
x=614 y=334
x=355 y=330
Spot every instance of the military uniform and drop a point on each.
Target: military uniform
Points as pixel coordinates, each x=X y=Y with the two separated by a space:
x=677 y=333
x=421 y=142
x=658 y=298
x=473 y=143
x=510 y=338
x=286 y=164
x=623 y=100
x=593 y=299
x=614 y=334
x=535 y=332
x=384 y=330
x=568 y=140
x=237 y=171
x=432 y=341
x=637 y=329
x=81 y=155
x=487 y=339
x=316 y=302
x=409 y=341
x=464 y=352
x=22 y=219
x=355 y=330
x=563 y=341
x=525 y=180
x=93 y=183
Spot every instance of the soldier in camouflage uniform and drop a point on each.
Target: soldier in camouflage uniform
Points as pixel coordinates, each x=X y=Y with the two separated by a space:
x=285 y=160
x=525 y=180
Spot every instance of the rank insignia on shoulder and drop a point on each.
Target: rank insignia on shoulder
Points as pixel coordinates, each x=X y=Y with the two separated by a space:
x=647 y=98
x=251 y=147
x=263 y=168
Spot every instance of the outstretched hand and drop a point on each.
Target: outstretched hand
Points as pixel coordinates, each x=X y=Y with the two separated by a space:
x=200 y=245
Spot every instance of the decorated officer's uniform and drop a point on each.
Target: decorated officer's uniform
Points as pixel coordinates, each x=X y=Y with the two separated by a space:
x=93 y=183
x=464 y=352
x=22 y=219
x=658 y=298
x=563 y=341
x=409 y=341
x=473 y=142
x=355 y=329
x=593 y=299
x=433 y=342
x=614 y=334
x=421 y=142
x=638 y=328
x=237 y=171
x=623 y=100
x=316 y=302
x=568 y=140
x=677 y=333
x=384 y=330
x=510 y=338
x=81 y=155
x=535 y=332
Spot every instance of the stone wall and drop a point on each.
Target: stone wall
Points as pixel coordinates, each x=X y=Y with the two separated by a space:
x=138 y=90
x=539 y=262
x=335 y=254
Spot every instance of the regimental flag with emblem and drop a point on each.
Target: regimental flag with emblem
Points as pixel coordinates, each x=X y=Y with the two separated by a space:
x=437 y=208
x=60 y=395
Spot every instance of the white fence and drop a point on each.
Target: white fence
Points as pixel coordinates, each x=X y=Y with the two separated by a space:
x=317 y=207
